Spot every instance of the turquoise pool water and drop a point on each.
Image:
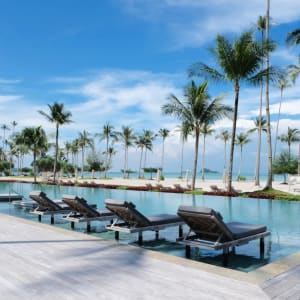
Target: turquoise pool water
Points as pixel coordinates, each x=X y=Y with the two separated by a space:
x=281 y=218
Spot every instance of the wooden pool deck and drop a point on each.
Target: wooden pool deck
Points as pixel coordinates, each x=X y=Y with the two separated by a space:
x=40 y=261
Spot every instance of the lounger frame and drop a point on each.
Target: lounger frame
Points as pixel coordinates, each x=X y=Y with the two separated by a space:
x=119 y=226
x=218 y=240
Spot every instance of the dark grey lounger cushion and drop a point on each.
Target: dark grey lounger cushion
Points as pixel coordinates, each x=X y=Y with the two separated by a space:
x=81 y=206
x=207 y=223
x=163 y=219
x=44 y=202
x=127 y=212
x=241 y=230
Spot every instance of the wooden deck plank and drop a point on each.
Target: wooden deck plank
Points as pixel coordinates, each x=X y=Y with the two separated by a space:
x=40 y=261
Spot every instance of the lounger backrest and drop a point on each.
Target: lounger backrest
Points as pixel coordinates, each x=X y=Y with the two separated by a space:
x=205 y=222
x=127 y=212
x=80 y=205
x=43 y=201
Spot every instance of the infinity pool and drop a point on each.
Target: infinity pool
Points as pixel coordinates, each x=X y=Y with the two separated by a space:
x=281 y=218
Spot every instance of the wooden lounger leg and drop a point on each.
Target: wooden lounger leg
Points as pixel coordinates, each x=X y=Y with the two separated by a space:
x=156 y=234
x=225 y=256
x=187 y=251
x=262 y=246
x=117 y=235
x=180 y=233
x=72 y=225
x=52 y=219
x=140 y=241
x=88 y=226
x=39 y=218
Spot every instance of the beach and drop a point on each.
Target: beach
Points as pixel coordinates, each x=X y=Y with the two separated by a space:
x=169 y=183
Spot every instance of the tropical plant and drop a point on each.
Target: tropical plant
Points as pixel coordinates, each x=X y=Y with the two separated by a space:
x=164 y=133
x=59 y=116
x=238 y=61
x=74 y=150
x=260 y=125
x=5 y=128
x=196 y=109
x=285 y=164
x=127 y=138
x=107 y=134
x=149 y=137
x=84 y=141
x=36 y=140
x=224 y=136
x=141 y=143
x=292 y=136
x=241 y=140
x=205 y=130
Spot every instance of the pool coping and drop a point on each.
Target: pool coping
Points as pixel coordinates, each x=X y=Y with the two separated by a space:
x=257 y=276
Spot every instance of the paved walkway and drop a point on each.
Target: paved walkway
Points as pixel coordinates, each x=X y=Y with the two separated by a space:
x=40 y=261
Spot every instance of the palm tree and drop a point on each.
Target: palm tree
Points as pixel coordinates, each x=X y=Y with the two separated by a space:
x=239 y=61
x=127 y=138
x=106 y=134
x=197 y=109
x=282 y=84
x=241 y=140
x=36 y=141
x=84 y=140
x=292 y=136
x=205 y=130
x=224 y=136
x=4 y=127
x=59 y=116
x=74 y=150
x=141 y=144
x=164 y=133
x=111 y=153
x=260 y=125
x=149 y=137
x=185 y=130
x=293 y=38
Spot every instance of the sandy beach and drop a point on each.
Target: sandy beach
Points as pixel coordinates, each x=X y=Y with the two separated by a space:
x=240 y=186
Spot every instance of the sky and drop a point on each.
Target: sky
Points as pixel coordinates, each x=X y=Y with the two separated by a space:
x=117 y=61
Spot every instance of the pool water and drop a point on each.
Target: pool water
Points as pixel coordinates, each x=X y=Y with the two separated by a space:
x=281 y=218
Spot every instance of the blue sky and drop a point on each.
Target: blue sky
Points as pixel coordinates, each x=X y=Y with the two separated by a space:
x=118 y=61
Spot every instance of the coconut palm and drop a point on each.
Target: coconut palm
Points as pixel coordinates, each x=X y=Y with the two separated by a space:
x=111 y=153
x=141 y=143
x=205 y=130
x=260 y=125
x=283 y=83
x=74 y=150
x=184 y=130
x=59 y=116
x=127 y=138
x=5 y=128
x=84 y=141
x=149 y=137
x=196 y=109
x=292 y=136
x=107 y=134
x=164 y=133
x=238 y=61
x=36 y=141
x=224 y=136
x=241 y=140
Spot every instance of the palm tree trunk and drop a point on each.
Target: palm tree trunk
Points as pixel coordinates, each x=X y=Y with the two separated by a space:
x=34 y=166
x=241 y=162
x=56 y=153
x=277 y=125
x=236 y=102
x=140 y=166
x=269 y=140
x=181 y=165
x=197 y=133
x=162 y=155
x=106 y=159
x=82 y=161
x=225 y=164
x=203 y=157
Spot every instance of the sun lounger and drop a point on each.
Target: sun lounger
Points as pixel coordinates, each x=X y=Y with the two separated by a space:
x=83 y=212
x=46 y=206
x=215 y=188
x=130 y=220
x=208 y=231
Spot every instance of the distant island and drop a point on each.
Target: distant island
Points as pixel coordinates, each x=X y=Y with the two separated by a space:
x=210 y=171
